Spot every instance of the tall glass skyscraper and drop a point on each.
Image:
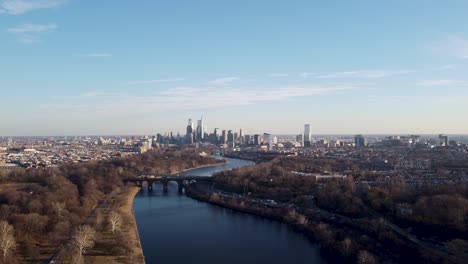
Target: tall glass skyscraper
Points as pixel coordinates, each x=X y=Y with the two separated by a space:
x=307 y=136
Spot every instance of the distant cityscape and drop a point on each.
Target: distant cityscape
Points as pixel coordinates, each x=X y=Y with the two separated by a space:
x=383 y=152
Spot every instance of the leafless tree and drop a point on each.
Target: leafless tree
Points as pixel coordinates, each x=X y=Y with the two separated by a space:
x=58 y=207
x=7 y=239
x=364 y=257
x=346 y=246
x=115 y=221
x=84 y=239
x=302 y=219
x=292 y=214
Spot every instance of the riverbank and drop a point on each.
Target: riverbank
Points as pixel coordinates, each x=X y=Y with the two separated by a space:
x=124 y=245
x=314 y=228
x=224 y=162
x=127 y=210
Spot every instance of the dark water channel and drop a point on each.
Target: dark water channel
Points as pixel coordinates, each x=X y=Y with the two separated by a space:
x=176 y=229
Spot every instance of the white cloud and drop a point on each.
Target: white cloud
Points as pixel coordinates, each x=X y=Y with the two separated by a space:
x=307 y=74
x=168 y=80
x=458 y=47
x=97 y=55
x=32 y=28
x=441 y=82
x=364 y=74
x=18 y=7
x=449 y=67
x=31 y=32
x=223 y=81
x=189 y=98
x=278 y=75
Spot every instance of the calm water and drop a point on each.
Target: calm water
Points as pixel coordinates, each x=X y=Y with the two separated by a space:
x=176 y=229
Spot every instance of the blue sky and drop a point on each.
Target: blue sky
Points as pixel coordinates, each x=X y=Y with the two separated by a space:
x=140 y=67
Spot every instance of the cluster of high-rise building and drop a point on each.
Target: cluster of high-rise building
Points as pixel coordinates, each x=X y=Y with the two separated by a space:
x=229 y=138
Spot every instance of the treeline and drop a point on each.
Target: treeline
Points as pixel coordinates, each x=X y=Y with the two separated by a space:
x=270 y=180
x=442 y=210
x=266 y=180
x=44 y=206
x=439 y=214
x=339 y=244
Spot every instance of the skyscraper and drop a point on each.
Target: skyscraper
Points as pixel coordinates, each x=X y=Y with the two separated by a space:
x=230 y=136
x=359 y=141
x=189 y=135
x=241 y=136
x=224 y=137
x=200 y=129
x=307 y=136
x=443 y=140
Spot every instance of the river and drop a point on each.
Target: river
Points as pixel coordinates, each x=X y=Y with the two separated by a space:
x=176 y=229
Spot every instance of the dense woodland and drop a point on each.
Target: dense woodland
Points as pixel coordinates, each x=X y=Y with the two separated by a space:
x=44 y=206
x=438 y=215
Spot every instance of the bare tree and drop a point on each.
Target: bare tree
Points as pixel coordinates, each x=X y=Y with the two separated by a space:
x=115 y=221
x=84 y=239
x=346 y=246
x=58 y=207
x=7 y=239
x=292 y=214
x=302 y=219
x=364 y=257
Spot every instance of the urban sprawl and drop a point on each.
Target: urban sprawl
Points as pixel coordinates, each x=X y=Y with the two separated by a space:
x=422 y=161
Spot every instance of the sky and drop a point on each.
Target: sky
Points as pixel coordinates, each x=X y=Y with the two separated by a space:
x=86 y=67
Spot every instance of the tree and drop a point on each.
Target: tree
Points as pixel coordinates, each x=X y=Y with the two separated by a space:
x=346 y=246
x=364 y=257
x=58 y=208
x=115 y=221
x=7 y=239
x=84 y=239
x=302 y=219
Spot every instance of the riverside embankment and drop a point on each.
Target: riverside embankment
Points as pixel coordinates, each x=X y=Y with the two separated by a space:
x=176 y=229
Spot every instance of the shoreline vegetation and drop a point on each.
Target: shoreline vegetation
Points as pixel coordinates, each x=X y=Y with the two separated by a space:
x=337 y=214
x=224 y=162
x=289 y=216
x=46 y=209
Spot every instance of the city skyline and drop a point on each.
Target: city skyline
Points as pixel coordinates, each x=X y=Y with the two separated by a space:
x=399 y=68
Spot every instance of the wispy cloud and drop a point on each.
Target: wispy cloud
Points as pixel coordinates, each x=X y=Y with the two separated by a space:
x=18 y=7
x=189 y=98
x=31 y=32
x=451 y=45
x=458 y=46
x=364 y=74
x=96 y=55
x=449 y=67
x=307 y=74
x=167 y=80
x=441 y=82
x=278 y=75
x=223 y=81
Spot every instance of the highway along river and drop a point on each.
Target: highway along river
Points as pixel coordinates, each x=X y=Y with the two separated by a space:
x=176 y=229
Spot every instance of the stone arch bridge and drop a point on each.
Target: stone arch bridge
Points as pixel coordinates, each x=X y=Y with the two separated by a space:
x=182 y=181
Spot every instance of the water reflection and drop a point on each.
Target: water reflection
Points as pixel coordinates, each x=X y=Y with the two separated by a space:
x=176 y=229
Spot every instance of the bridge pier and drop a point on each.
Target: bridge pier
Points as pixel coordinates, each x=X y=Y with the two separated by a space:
x=181 y=186
x=182 y=181
x=164 y=183
x=150 y=186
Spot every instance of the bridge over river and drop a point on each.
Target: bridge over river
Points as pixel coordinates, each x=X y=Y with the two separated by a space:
x=182 y=181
